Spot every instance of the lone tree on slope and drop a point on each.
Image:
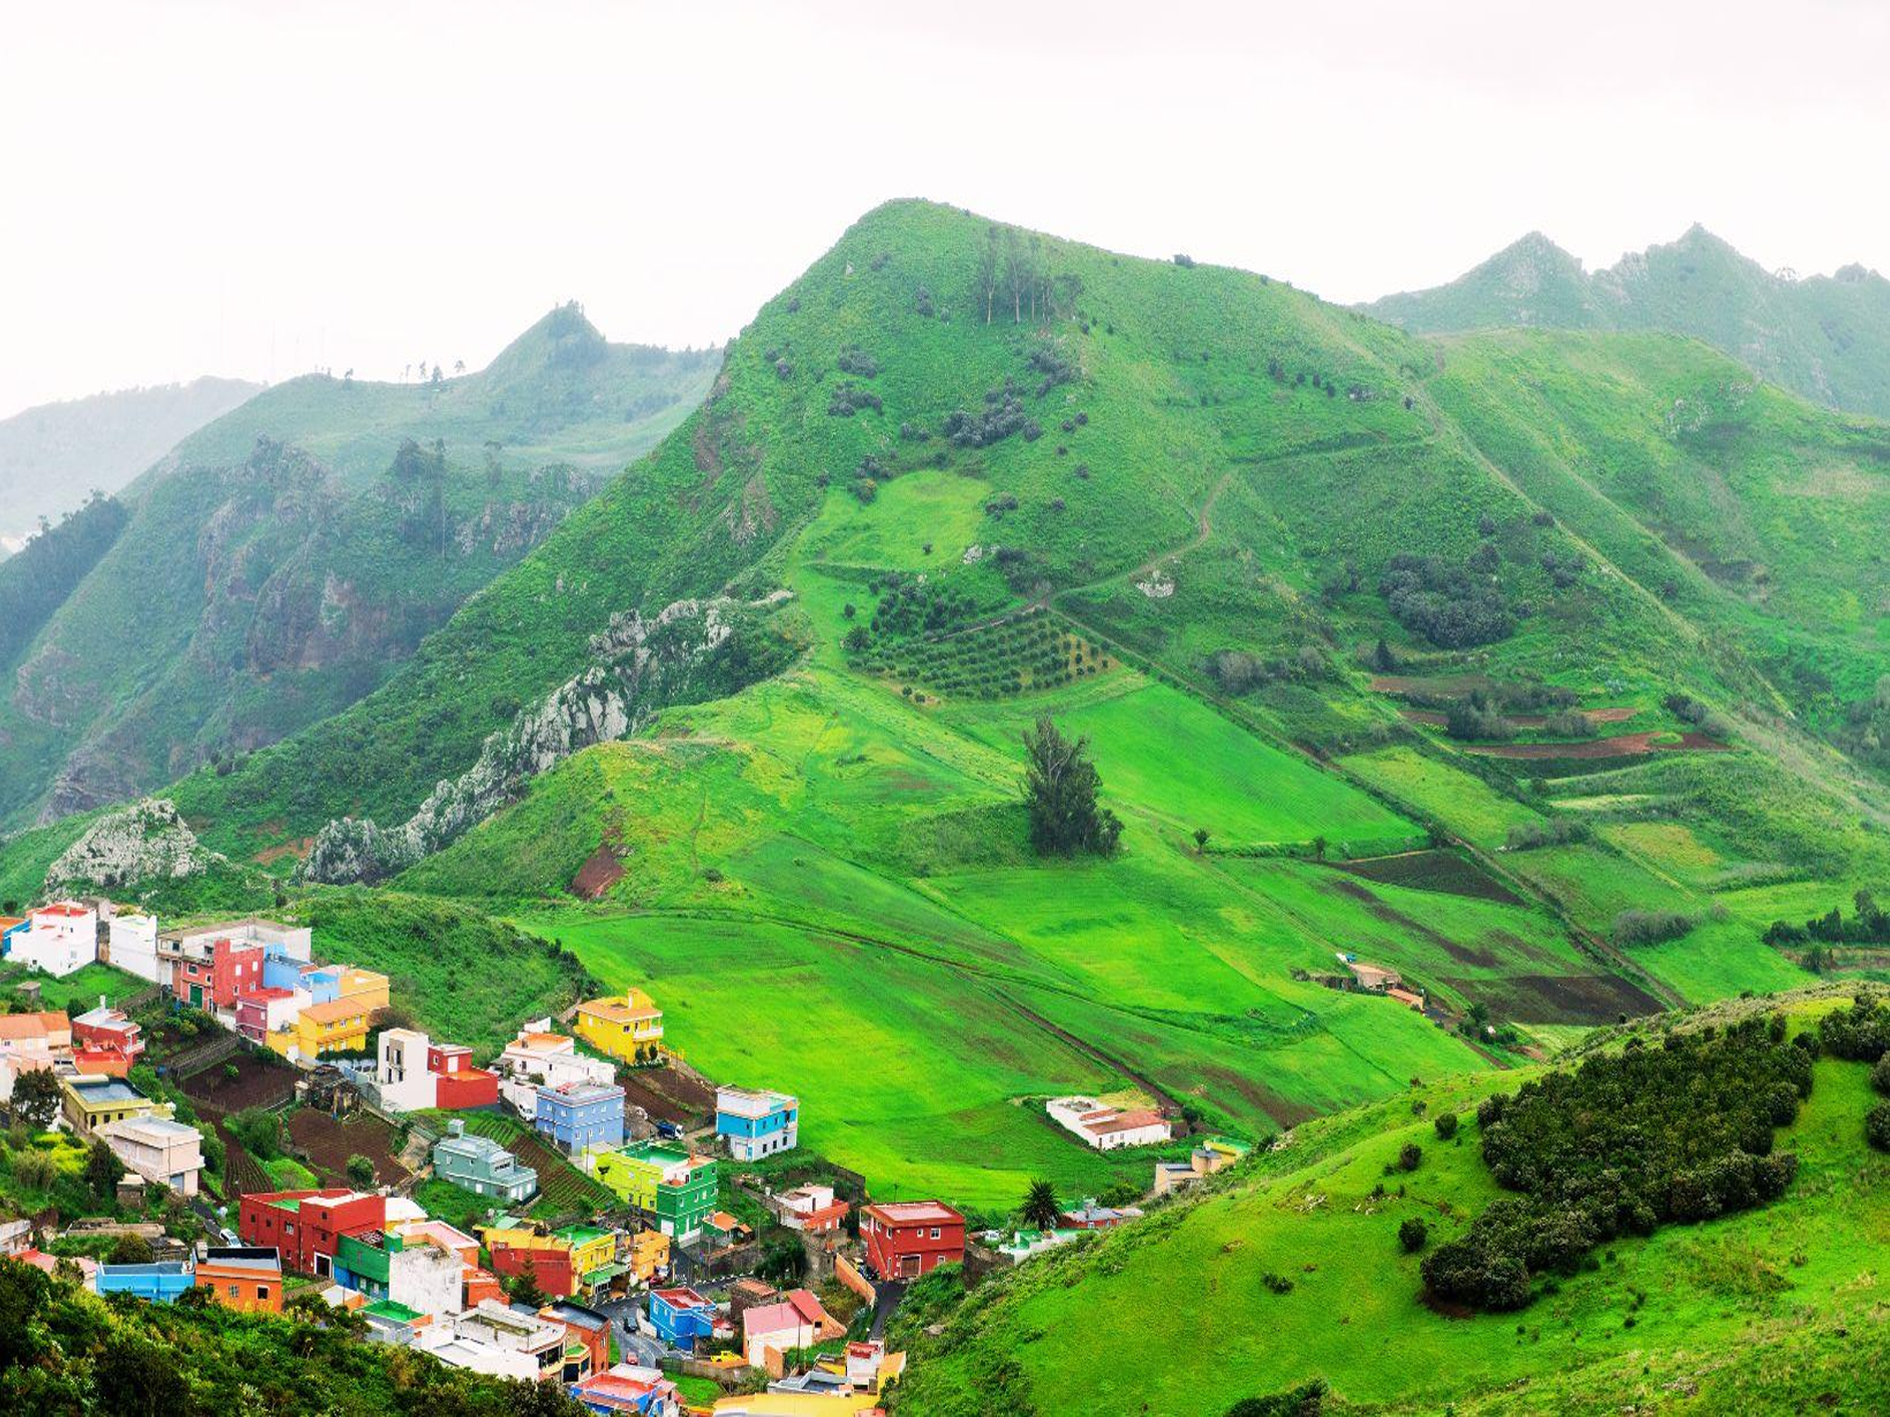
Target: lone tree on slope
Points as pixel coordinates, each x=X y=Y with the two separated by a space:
x=1040 y=1206
x=1060 y=785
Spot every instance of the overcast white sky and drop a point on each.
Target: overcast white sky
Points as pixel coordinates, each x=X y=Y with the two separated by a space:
x=260 y=189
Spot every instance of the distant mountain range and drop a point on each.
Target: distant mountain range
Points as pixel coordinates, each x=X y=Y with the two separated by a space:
x=268 y=569
x=53 y=456
x=1826 y=337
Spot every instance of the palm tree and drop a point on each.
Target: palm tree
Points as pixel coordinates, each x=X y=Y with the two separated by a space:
x=1040 y=1206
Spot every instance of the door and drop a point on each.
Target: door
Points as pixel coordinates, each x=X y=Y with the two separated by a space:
x=909 y=1266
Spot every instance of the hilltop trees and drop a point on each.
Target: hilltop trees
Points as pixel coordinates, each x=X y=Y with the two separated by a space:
x=1624 y=1144
x=1060 y=784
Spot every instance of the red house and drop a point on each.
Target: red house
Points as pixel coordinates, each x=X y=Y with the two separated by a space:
x=459 y=1083
x=905 y=1239
x=107 y=1030
x=214 y=983
x=551 y=1266
x=307 y=1226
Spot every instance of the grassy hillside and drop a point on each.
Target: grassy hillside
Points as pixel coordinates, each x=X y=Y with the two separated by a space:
x=1825 y=337
x=1290 y=1268
x=1390 y=621
x=278 y=563
x=56 y=455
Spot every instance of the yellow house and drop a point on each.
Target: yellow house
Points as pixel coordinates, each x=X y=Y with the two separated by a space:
x=647 y=1252
x=591 y=1247
x=518 y=1238
x=90 y=1102
x=619 y=1025
x=363 y=987
x=340 y=1026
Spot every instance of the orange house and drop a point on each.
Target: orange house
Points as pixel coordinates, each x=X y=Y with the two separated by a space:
x=245 y=1277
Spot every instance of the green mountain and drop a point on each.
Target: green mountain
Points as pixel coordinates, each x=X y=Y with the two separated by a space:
x=1528 y=665
x=1826 y=337
x=54 y=456
x=278 y=563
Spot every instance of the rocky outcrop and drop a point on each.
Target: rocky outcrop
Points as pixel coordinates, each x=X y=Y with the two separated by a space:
x=146 y=841
x=692 y=650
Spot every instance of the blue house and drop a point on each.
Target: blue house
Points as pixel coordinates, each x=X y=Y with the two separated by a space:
x=681 y=1316
x=159 y=1283
x=579 y=1115
x=756 y=1124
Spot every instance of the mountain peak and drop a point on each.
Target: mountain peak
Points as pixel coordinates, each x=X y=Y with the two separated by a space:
x=562 y=337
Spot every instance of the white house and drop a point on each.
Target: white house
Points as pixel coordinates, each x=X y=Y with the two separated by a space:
x=474 y=1354
x=425 y=1277
x=60 y=939
x=131 y=943
x=400 y=1071
x=1108 y=1128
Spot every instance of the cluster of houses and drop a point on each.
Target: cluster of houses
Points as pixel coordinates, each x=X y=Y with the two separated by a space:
x=255 y=977
x=235 y=1276
x=90 y=1057
x=422 y=1283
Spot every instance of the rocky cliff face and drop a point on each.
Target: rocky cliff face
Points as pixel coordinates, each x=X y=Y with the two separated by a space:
x=691 y=650
x=304 y=597
x=144 y=842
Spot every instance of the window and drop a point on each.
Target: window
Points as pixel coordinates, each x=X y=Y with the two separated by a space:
x=262 y=1291
x=236 y=1291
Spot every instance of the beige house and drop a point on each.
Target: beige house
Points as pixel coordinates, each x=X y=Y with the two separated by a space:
x=158 y=1149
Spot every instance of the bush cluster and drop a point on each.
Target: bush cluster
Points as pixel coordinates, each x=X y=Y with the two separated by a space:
x=848 y=399
x=1444 y=603
x=1650 y=927
x=1002 y=415
x=1622 y=1145
x=857 y=361
x=1552 y=831
x=1859 y=1034
x=1869 y=926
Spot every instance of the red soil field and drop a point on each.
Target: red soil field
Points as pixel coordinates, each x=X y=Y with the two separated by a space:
x=1622 y=745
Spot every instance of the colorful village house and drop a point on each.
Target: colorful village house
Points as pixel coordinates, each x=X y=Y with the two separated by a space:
x=412 y=1072
x=674 y=1190
x=622 y=1026
x=682 y=1318
x=580 y=1116
x=158 y=1148
x=247 y=1278
x=307 y=1226
x=94 y=1102
x=480 y=1165
x=586 y=1328
x=411 y=1271
x=538 y=1056
x=106 y=1029
x=516 y=1250
x=906 y=1239
x=158 y=1283
x=337 y=1027
x=627 y=1388
x=756 y=1123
